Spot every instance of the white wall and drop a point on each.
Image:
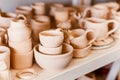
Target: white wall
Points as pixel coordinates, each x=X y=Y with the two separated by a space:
x=10 y=5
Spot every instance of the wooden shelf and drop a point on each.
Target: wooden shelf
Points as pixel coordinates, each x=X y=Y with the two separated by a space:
x=79 y=67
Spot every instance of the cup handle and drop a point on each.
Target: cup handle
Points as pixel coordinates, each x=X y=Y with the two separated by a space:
x=21 y=17
x=92 y=38
x=115 y=27
x=83 y=15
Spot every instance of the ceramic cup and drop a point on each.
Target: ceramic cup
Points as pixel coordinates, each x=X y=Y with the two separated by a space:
x=19 y=28
x=22 y=61
x=54 y=62
x=4 y=57
x=46 y=50
x=21 y=47
x=38 y=8
x=53 y=8
x=81 y=53
x=61 y=15
x=51 y=38
x=101 y=27
x=81 y=38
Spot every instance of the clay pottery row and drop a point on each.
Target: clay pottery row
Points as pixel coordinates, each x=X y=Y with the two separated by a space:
x=38 y=8
x=38 y=24
x=20 y=43
x=54 y=62
x=100 y=25
x=26 y=11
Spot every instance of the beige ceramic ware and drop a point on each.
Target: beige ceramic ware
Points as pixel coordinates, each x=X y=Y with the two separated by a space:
x=61 y=15
x=97 y=11
x=54 y=62
x=5 y=21
x=5 y=75
x=3 y=37
x=53 y=8
x=51 y=38
x=81 y=53
x=38 y=8
x=21 y=47
x=25 y=10
x=81 y=38
x=22 y=61
x=46 y=50
x=4 y=58
x=19 y=28
x=100 y=27
x=38 y=24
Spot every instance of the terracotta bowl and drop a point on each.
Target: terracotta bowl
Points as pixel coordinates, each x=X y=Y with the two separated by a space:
x=54 y=62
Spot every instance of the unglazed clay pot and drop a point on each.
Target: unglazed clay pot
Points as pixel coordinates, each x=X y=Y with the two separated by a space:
x=51 y=38
x=21 y=47
x=100 y=26
x=38 y=24
x=53 y=8
x=5 y=20
x=4 y=57
x=3 y=37
x=46 y=50
x=81 y=38
x=22 y=61
x=25 y=10
x=54 y=62
x=97 y=11
x=81 y=53
x=61 y=15
x=39 y=8
x=19 y=28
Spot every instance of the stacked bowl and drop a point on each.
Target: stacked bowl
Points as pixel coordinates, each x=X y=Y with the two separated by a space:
x=52 y=53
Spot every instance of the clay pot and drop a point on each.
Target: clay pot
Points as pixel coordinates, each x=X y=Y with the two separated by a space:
x=46 y=50
x=61 y=15
x=22 y=61
x=81 y=53
x=38 y=8
x=19 y=28
x=100 y=27
x=81 y=38
x=97 y=11
x=26 y=11
x=21 y=47
x=54 y=62
x=51 y=38
x=4 y=58
x=38 y=24
x=53 y=8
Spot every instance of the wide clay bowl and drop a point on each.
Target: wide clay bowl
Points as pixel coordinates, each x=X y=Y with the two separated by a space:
x=54 y=62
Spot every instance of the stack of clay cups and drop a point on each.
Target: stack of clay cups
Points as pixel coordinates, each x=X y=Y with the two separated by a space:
x=20 y=43
x=82 y=41
x=52 y=53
